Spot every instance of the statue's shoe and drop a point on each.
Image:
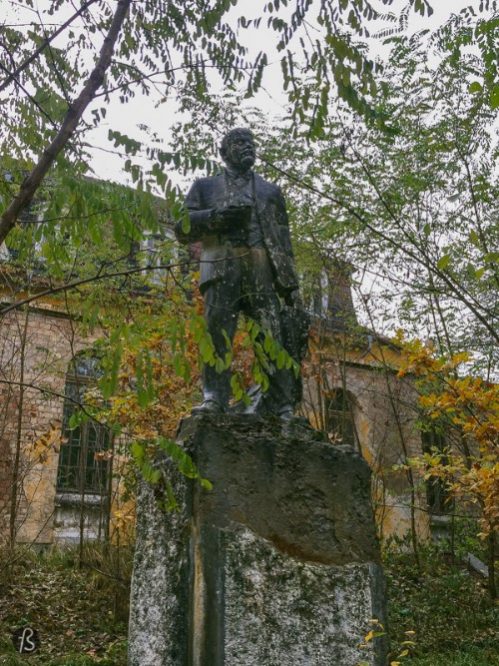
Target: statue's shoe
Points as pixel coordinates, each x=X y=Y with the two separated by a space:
x=208 y=406
x=286 y=413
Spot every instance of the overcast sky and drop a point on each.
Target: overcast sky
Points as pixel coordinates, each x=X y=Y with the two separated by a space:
x=270 y=99
x=146 y=111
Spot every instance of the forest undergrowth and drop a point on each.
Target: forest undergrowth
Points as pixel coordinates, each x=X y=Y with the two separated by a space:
x=444 y=607
x=80 y=610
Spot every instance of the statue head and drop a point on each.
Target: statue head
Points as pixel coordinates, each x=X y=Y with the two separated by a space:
x=238 y=149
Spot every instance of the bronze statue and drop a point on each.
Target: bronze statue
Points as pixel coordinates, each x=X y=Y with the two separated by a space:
x=246 y=266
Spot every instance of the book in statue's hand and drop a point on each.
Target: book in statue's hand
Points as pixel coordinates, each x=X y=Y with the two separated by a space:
x=234 y=216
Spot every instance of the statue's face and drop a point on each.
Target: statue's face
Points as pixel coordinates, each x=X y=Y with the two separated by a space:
x=241 y=151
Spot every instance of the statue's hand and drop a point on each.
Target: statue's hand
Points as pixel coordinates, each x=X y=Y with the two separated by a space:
x=293 y=299
x=231 y=216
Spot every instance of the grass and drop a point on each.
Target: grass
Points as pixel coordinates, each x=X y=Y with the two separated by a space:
x=80 y=614
x=448 y=608
x=469 y=657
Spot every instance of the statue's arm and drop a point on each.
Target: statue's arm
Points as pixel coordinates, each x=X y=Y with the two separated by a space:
x=291 y=297
x=202 y=219
x=283 y=223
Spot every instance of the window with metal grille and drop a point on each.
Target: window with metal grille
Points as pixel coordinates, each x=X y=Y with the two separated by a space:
x=339 y=417
x=437 y=494
x=80 y=467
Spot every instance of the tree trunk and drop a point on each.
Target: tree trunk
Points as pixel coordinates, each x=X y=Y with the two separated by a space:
x=33 y=180
x=14 y=494
x=492 y=564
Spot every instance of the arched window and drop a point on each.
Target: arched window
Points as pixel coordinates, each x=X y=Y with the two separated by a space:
x=339 y=417
x=80 y=467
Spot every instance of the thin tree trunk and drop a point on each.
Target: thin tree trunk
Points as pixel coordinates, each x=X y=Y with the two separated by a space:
x=109 y=498
x=69 y=125
x=405 y=451
x=82 y=470
x=17 y=454
x=492 y=564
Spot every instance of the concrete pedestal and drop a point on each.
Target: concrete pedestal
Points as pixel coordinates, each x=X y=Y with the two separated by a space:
x=278 y=564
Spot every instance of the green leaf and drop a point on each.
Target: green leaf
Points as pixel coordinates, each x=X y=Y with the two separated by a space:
x=171 y=503
x=236 y=387
x=206 y=484
x=186 y=223
x=475 y=87
x=109 y=381
x=149 y=473
x=474 y=238
x=138 y=451
x=281 y=359
x=443 y=262
x=494 y=97
x=206 y=350
x=76 y=419
x=184 y=461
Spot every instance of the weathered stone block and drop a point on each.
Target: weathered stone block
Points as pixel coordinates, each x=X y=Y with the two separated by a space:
x=279 y=563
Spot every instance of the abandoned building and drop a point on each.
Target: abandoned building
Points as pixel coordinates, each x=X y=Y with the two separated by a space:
x=57 y=490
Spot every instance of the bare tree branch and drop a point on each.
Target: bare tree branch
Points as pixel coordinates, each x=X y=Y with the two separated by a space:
x=95 y=278
x=68 y=127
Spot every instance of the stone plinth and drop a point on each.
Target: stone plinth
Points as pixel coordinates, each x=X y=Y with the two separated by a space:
x=278 y=564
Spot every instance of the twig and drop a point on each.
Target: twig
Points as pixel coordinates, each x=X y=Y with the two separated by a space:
x=12 y=76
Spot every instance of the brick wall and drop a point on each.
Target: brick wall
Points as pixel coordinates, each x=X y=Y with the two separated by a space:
x=42 y=362
x=385 y=424
x=52 y=340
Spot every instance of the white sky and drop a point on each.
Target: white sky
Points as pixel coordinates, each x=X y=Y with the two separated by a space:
x=270 y=99
x=145 y=110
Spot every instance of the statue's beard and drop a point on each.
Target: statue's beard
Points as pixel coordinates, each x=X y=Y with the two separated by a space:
x=247 y=161
x=240 y=162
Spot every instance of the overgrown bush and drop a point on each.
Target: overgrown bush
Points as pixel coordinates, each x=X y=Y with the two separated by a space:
x=81 y=613
x=446 y=605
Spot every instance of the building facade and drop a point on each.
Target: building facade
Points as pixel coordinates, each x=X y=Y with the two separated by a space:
x=56 y=481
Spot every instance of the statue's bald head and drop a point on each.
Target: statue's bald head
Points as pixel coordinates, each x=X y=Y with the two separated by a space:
x=238 y=149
